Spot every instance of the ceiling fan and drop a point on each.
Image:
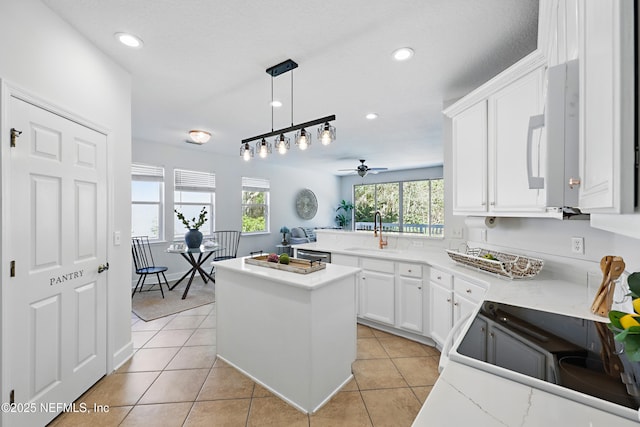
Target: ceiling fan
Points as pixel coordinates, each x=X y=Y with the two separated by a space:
x=363 y=169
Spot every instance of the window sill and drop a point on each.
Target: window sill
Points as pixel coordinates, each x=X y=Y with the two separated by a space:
x=255 y=233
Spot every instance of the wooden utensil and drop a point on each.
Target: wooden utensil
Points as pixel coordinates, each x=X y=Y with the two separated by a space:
x=605 y=266
x=604 y=299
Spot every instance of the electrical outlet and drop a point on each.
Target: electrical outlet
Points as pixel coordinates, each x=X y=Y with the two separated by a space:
x=577 y=245
x=456 y=233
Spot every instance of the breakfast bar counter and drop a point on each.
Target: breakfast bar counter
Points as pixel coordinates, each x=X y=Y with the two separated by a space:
x=295 y=334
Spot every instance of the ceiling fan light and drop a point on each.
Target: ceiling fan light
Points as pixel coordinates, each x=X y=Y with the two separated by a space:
x=326 y=134
x=303 y=139
x=199 y=136
x=362 y=172
x=246 y=152
x=282 y=144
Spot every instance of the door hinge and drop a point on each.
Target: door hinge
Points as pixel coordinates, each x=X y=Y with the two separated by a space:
x=15 y=133
x=12 y=397
x=12 y=269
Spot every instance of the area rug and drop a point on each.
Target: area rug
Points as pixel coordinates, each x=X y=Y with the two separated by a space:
x=149 y=305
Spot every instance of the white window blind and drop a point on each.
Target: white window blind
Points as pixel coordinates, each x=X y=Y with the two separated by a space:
x=185 y=180
x=142 y=172
x=255 y=184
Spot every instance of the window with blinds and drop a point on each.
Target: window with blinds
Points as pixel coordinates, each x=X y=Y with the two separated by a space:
x=255 y=205
x=194 y=190
x=147 y=200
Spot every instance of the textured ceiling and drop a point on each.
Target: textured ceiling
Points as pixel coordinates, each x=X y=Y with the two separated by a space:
x=203 y=66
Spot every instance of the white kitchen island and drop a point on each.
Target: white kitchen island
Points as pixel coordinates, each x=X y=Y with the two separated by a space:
x=294 y=334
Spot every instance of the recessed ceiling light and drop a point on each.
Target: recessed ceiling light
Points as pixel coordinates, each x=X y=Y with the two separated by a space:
x=402 y=54
x=129 y=40
x=372 y=116
x=276 y=104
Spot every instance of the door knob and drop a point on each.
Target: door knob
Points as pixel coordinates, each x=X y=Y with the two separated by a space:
x=103 y=267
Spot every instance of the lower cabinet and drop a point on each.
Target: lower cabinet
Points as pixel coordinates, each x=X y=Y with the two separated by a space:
x=377 y=296
x=452 y=298
x=410 y=308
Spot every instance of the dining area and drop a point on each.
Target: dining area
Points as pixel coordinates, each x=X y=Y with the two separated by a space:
x=154 y=295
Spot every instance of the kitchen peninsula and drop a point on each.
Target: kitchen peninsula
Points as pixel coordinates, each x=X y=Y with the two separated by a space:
x=295 y=334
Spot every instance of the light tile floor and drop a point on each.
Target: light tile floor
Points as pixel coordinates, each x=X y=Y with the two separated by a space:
x=174 y=379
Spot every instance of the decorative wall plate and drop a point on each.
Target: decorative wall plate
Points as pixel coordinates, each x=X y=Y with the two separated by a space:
x=306 y=204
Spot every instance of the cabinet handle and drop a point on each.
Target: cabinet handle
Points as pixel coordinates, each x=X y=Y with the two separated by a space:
x=448 y=299
x=468 y=291
x=409 y=270
x=574 y=182
x=419 y=287
x=483 y=329
x=491 y=335
x=492 y=203
x=455 y=303
x=439 y=277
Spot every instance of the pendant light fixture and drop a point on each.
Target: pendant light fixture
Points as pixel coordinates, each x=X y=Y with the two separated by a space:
x=246 y=151
x=282 y=144
x=326 y=132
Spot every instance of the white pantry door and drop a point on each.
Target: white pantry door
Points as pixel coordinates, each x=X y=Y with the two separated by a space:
x=56 y=306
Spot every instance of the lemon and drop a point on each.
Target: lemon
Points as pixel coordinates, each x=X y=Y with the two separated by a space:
x=636 y=305
x=629 y=320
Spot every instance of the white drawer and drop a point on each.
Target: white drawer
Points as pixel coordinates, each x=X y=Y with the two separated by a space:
x=410 y=270
x=470 y=290
x=372 y=264
x=441 y=278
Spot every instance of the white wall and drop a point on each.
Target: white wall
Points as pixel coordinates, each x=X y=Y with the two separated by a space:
x=285 y=183
x=47 y=58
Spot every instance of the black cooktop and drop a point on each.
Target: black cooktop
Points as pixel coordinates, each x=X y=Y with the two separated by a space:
x=570 y=352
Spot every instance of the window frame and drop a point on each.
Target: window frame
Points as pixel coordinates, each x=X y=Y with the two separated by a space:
x=150 y=173
x=256 y=185
x=401 y=214
x=192 y=181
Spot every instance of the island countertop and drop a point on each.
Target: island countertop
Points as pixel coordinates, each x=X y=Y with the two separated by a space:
x=314 y=280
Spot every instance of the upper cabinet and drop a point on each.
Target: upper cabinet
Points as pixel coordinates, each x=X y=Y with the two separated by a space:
x=469 y=130
x=606 y=57
x=497 y=142
x=493 y=147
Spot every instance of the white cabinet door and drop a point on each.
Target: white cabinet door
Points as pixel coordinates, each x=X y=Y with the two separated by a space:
x=462 y=307
x=377 y=296
x=410 y=303
x=440 y=312
x=469 y=136
x=349 y=261
x=509 y=112
x=606 y=153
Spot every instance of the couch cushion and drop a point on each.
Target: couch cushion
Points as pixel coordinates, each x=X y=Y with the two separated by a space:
x=310 y=233
x=297 y=232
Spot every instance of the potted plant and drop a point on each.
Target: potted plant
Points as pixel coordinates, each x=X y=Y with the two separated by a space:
x=284 y=230
x=343 y=218
x=193 y=237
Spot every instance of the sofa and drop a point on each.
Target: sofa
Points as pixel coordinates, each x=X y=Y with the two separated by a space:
x=299 y=235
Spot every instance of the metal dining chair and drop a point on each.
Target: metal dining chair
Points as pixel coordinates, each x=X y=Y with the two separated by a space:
x=228 y=241
x=144 y=264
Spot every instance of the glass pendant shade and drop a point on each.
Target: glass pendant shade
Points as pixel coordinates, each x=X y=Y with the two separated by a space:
x=282 y=144
x=326 y=134
x=263 y=148
x=303 y=139
x=246 y=152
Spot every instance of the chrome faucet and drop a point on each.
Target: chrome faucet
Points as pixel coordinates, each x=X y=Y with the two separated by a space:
x=381 y=243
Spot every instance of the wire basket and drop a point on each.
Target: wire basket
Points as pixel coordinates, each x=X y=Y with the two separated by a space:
x=504 y=264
